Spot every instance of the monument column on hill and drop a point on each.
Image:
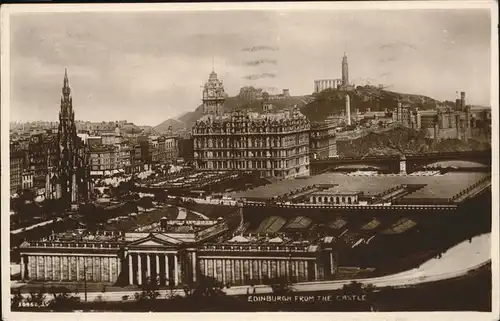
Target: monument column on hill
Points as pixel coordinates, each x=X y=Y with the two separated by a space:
x=348 y=109
x=345 y=72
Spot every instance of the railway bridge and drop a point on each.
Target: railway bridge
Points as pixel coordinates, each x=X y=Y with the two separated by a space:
x=395 y=163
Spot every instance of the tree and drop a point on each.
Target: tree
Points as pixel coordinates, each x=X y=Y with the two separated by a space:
x=205 y=287
x=37 y=299
x=17 y=300
x=171 y=289
x=279 y=285
x=353 y=288
x=63 y=300
x=368 y=290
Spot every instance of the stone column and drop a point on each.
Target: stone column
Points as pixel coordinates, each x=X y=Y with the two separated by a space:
x=148 y=271
x=259 y=267
x=118 y=267
x=223 y=271
x=37 y=269
x=242 y=276
x=139 y=269
x=167 y=277
x=30 y=271
x=92 y=260
x=61 y=265
x=214 y=262
x=205 y=267
x=70 y=265
x=44 y=262
x=130 y=270
x=53 y=262
x=194 y=266
x=110 y=269
x=232 y=272
x=269 y=269
x=78 y=268
x=331 y=263
x=176 y=271
x=306 y=269
x=157 y=261
x=22 y=267
x=101 y=268
x=287 y=270
x=297 y=270
x=250 y=268
x=315 y=270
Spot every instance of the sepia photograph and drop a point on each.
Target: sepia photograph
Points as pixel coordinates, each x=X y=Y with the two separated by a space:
x=261 y=157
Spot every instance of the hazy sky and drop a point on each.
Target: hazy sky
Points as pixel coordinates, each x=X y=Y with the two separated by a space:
x=149 y=66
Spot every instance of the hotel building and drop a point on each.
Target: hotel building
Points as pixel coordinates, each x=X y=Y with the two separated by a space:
x=273 y=144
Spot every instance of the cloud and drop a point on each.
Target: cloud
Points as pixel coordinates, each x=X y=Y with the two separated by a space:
x=260 y=48
x=398 y=45
x=260 y=76
x=261 y=61
x=149 y=66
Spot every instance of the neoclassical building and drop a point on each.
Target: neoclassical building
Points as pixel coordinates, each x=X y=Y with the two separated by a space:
x=175 y=256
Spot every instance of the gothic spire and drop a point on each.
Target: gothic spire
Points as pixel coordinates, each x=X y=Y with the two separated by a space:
x=66 y=90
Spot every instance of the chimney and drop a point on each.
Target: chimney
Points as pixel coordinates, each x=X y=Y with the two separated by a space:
x=462 y=101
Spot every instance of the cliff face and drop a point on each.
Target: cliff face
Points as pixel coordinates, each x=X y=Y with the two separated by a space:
x=402 y=140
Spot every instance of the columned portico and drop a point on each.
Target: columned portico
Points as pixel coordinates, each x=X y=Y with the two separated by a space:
x=152 y=267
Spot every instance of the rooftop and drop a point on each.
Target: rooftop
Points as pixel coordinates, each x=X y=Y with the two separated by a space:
x=258 y=118
x=434 y=187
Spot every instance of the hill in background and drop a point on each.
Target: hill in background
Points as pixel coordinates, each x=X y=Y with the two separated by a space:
x=187 y=120
x=332 y=101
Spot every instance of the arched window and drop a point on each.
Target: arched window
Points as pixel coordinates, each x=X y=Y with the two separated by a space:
x=337 y=200
x=349 y=200
x=343 y=199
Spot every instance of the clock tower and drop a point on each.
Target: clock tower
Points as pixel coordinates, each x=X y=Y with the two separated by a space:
x=213 y=96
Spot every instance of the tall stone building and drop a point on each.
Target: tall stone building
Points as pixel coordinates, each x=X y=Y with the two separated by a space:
x=213 y=96
x=273 y=144
x=71 y=175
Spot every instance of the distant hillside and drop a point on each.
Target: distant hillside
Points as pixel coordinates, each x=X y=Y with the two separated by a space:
x=403 y=140
x=316 y=108
x=187 y=120
x=331 y=101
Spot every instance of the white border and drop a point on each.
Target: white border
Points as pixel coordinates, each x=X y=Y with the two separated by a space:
x=8 y=10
